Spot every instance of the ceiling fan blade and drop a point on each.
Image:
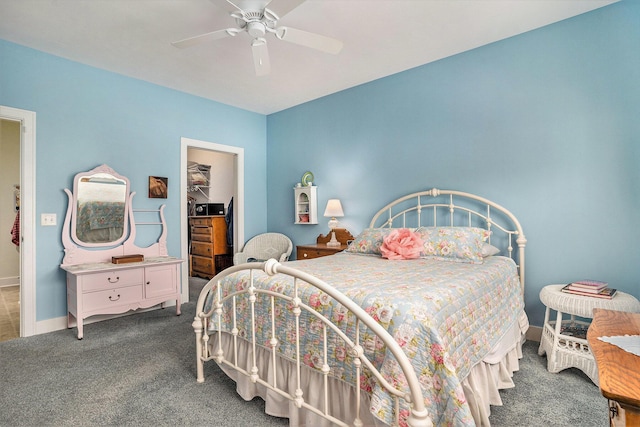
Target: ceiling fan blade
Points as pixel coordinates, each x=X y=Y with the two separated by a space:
x=260 y=56
x=229 y=6
x=312 y=40
x=282 y=7
x=215 y=35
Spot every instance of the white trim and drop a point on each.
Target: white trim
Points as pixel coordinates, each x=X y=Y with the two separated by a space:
x=238 y=198
x=27 y=216
x=534 y=333
x=9 y=281
x=51 y=325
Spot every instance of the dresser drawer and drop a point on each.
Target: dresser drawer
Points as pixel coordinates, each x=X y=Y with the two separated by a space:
x=202 y=248
x=202 y=221
x=201 y=234
x=111 y=298
x=202 y=265
x=310 y=252
x=109 y=280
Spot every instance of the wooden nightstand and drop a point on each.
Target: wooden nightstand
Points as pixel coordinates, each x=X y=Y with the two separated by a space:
x=320 y=248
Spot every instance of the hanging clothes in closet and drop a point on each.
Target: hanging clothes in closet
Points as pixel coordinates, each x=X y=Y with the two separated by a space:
x=15 y=229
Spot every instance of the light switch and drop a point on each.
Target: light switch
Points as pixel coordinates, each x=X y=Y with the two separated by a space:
x=48 y=219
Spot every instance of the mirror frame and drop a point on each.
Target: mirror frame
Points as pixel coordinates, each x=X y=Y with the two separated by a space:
x=104 y=169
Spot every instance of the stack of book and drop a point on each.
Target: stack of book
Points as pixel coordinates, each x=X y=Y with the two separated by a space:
x=590 y=288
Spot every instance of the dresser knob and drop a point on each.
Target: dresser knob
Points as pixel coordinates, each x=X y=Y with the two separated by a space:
x=113 y=281
x=305 y=255
x=111 y=298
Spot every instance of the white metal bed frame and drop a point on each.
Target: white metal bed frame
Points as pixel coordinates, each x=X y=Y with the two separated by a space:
x=460 y=209
x=472 y=210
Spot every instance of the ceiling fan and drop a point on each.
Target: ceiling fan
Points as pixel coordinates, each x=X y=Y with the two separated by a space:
x=253 y=17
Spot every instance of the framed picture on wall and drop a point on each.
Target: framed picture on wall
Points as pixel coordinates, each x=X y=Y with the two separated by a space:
x=158 y=187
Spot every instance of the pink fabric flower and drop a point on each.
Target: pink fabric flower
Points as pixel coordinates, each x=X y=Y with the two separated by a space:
x=401 y=244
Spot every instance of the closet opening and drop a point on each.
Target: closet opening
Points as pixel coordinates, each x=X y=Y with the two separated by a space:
x=212 y=211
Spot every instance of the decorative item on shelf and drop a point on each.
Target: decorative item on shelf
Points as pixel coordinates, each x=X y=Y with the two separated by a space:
x=333 y=210
x=307 y=179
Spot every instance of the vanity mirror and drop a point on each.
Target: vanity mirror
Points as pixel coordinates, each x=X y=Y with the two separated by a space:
x=100 y=222
x=99 y=215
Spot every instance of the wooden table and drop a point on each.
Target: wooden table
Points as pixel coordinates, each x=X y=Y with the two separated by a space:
x=619 y=370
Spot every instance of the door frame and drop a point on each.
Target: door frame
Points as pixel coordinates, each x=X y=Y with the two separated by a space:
x=27 y=121
x=238 y=198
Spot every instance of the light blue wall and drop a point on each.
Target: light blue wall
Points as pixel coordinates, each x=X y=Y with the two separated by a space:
x=86 y=117
x=546 y=124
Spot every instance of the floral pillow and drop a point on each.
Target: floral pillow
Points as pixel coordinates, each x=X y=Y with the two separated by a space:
x=401 y=243
x=458 y=244
x=369 y=241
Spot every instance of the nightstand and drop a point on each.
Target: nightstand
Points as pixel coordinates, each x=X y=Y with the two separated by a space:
x=320 y=248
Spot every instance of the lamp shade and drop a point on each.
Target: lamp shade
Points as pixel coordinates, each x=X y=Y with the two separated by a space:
x=334 y=208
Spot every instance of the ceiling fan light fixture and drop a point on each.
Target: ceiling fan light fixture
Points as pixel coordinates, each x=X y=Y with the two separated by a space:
x=256 y=29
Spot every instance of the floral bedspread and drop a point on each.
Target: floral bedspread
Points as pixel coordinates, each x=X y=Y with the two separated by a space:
x=446 y=316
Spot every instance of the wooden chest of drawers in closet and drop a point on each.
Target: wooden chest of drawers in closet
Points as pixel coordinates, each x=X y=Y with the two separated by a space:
x=208 y=239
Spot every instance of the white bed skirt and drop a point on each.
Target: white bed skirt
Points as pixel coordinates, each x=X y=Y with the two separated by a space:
x=481 y=387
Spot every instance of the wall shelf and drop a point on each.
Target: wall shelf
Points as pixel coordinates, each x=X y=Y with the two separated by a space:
x=306 y=205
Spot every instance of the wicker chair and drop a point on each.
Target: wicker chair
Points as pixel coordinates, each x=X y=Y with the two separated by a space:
x=265 y=246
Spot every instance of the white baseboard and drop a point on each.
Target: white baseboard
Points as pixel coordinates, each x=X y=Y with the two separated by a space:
x=50 y=325
x=534 y=333
x=9 y=281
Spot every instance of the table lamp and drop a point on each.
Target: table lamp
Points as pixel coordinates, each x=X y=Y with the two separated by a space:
x=333 y=210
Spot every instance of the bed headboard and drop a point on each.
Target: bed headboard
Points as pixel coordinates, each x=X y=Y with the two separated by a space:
x=451 y=208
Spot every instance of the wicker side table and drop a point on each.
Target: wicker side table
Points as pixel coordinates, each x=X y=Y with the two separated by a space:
x=564 y=341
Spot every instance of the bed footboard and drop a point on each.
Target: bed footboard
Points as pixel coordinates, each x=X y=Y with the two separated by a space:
x=214 y=303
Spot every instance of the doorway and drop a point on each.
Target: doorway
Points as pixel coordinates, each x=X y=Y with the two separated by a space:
x=237 y=192
x=26 y=125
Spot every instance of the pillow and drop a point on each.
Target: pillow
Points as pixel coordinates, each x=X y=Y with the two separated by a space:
x=401 y=243
x=369 y=241
x=489 y=250
x=458 y=244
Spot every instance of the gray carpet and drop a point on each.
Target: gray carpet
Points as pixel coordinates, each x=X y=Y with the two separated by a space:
x=139 y=370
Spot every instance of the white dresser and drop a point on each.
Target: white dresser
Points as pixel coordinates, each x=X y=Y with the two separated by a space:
x=98 y=235
x=106 y=288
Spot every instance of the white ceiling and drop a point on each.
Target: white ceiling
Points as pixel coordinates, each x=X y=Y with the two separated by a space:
x=381 y=37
